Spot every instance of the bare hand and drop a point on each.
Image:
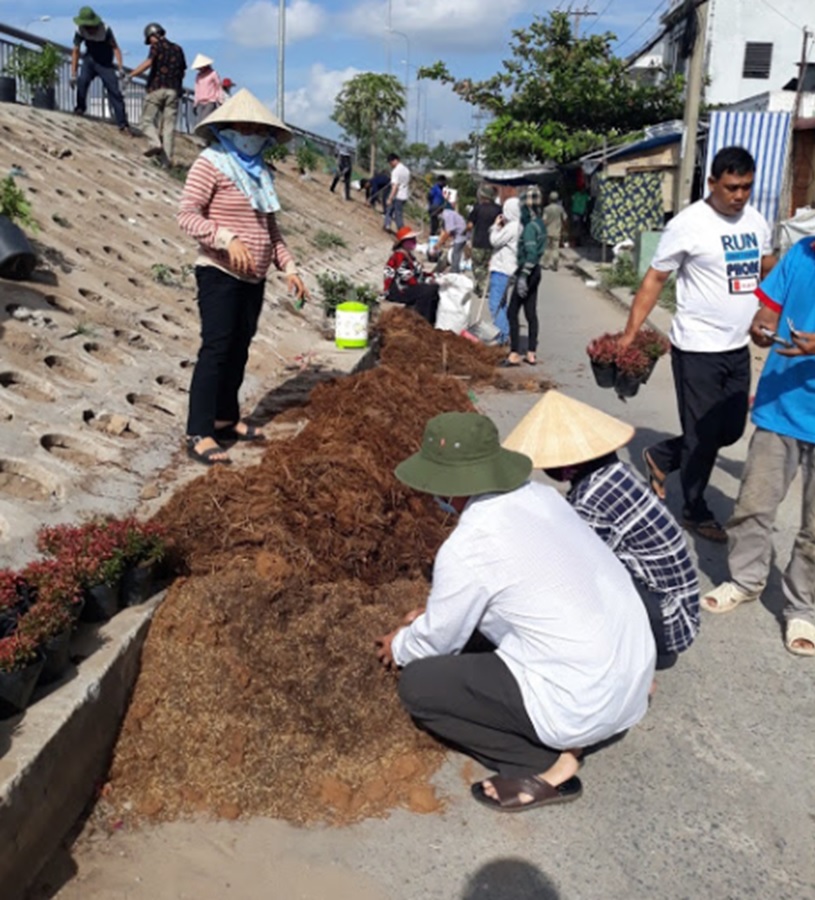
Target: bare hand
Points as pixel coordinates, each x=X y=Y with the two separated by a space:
x=804 y=344
x=384 y=653
x=414 y=614
x=758 y=337
x=625 y=341
x=294 y=284
x=240 y=259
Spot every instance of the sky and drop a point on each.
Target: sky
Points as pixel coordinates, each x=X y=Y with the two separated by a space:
x=329 y=41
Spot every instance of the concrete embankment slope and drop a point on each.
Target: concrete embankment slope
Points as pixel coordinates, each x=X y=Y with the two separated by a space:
x=97 y=348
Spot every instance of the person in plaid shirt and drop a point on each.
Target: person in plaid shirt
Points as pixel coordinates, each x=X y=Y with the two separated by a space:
x=574 y=442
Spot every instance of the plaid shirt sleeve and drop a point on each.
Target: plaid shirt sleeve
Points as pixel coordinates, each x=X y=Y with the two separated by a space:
x=646 y=538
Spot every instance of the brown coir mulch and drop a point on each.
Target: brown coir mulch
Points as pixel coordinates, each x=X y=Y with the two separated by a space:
x=260 y=693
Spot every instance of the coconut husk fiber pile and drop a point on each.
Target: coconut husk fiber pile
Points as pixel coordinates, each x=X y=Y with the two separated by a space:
x=260 y=693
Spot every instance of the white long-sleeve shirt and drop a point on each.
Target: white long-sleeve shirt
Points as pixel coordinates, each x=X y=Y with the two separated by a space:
x=525 y=570
x=504 y=239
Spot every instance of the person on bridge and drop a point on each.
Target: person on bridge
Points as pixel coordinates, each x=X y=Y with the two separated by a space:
x=100 y=51
x=719 y=249
x=167 y=65
x=209 y=93
x=567 y=656
x=228 y=207
x=782 y=445
x=573 y=442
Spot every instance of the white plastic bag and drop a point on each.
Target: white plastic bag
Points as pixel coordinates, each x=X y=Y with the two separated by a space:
x=455 y=291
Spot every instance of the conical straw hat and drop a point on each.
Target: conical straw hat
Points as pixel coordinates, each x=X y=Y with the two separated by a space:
x=201 y=62
x=245 y=107
x=561 y=431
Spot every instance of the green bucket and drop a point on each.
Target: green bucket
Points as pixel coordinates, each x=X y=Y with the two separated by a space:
x=351 y=325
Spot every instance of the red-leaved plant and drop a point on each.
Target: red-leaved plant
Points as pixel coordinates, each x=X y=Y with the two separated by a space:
x=652 y=343
x=633 y=362
x=53 y=582
x=17 y=651
x=91 y=553
x=603 y=350
x=45 y=621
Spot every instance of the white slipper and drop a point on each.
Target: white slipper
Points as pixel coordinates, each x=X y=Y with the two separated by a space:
x=800 y=630
x=726 y=597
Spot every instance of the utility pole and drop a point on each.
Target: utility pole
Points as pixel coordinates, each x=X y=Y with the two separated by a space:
x=785 y=201
x=281 y=59
x=577 y=15
x=389 y=28
x=693 y=100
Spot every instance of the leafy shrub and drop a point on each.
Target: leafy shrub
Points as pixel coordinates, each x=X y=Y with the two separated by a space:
x=338 y=289
x=307 y=158
x=325 y=240
x=14 y=205
x=278 y=153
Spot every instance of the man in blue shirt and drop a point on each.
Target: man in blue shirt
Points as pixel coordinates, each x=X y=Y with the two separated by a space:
x=783 y=443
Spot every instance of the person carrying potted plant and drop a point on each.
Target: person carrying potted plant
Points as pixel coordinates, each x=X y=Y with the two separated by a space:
x=97 y=62
x=228 y=207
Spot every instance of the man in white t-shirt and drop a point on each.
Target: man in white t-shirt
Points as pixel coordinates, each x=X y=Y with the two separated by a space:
x=719 y=249
x=399 y=192
x=570 y=658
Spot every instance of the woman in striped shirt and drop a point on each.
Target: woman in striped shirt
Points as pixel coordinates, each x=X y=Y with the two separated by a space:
x=229 y=206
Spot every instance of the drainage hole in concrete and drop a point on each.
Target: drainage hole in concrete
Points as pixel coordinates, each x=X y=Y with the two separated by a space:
x=67 y=368
x=58 y=303
x=150 y=326
x=24 y=482
x=149 y=402
x=88 y=294
x=23 y=387
x=68 y=448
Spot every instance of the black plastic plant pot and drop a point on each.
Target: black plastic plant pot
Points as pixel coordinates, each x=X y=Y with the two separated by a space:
x=44 y=98
x=627 y=385
x=17 y=257
x=651 y=367
x=604 y=375
x=57 y=658
x=137 y=584
x=17 y=687
x=101 y=603
x=8 y=89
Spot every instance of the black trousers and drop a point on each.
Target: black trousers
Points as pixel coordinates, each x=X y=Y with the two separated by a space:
x=424 y=298
x=712 y=395
x=473 y=703
x=346 y=178
x=229 y=310
x=530 y=308
x=90 y=70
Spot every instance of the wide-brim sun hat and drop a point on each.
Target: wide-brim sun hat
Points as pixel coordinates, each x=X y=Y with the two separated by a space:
x=201 y=61
x=245 y=107
x=561 y=431
x=462 y=456
x=404 y=233
x=87 y=17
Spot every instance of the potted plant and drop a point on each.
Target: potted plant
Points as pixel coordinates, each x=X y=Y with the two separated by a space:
x=52 y=581
x=653 y=345
x=17 y=257
x=49 y=625
x=602 y=353
x=38 y=70
x=144 y=546
x=633 y=366
x=14 y=600
x=20 y=666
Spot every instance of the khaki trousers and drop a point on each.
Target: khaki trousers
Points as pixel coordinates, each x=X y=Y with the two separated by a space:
x=158 y=116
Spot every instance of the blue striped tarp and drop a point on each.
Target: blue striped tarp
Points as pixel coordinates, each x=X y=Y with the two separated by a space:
x=765 y=135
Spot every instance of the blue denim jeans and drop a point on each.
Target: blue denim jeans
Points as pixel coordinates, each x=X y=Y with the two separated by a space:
x=498 y=286
x=90 y=70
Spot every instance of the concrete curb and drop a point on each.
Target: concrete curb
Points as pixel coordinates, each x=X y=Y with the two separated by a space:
x=61 y=747
x=660 y=318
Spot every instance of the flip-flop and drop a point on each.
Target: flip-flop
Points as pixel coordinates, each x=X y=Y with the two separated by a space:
x=508 y=364
x=205 y=456
x=656 y=477
x=531 y=362
x=709 y=529
x=230 y=433
x=510 y=789
x=800 y=630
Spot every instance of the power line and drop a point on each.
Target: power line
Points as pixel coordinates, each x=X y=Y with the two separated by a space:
x=778 y=12
x=602 y=12
x=639 y=28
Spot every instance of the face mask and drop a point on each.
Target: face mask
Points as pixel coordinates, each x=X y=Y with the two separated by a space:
x=248 y=144
x=446 y=506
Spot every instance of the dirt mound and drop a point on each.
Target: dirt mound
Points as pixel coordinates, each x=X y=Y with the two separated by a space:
x=259 y=691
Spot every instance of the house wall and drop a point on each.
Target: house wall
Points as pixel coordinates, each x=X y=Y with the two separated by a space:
x=664 y=159
x=731 y=24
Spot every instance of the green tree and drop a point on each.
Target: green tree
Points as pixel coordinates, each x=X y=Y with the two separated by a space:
x=367 y=105
x=450 y=156
x=558 y=95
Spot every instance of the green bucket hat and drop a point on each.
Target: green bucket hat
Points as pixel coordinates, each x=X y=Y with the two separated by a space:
x=87 y=18
x=461 y=456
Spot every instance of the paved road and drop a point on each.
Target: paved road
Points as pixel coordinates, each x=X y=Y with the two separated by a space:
x=710 y=797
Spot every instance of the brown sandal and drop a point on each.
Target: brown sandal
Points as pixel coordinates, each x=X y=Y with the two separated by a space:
x=509 y=791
